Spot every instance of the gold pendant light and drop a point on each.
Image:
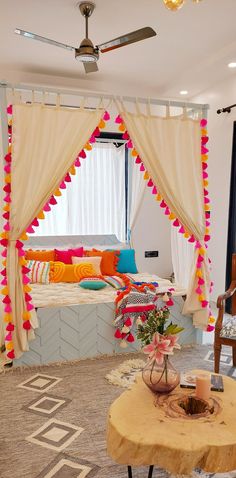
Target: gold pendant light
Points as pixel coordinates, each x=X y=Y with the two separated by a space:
x=174 y=4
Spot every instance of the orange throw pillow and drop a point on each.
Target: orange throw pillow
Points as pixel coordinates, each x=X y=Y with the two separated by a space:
x=60 y=272
x=108 y=262
x=40 y=255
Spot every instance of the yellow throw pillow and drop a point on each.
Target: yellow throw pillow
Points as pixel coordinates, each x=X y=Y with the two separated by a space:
x=60 y=272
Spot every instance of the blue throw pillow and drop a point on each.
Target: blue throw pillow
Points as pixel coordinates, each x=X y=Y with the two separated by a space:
x=92 y=283
x=126 y=261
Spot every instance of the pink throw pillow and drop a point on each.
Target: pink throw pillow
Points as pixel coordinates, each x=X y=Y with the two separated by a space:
x=63 y=256
x=78 y=252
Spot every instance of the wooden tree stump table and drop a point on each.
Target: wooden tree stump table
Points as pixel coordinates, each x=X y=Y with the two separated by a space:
x=143 y=429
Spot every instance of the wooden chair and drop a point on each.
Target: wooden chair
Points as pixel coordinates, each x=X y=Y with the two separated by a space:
x=221 y=340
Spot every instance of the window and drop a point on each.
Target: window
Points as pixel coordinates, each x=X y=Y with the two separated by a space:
x=95 y=201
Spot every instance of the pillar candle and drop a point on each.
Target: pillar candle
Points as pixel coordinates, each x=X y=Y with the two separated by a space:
x=203 y=386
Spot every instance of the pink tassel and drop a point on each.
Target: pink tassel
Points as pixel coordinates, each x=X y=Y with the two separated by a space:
x=207 y=214
x=25 y=270
x=167 y=211
x=118 y=119
x=176 y=223
x=163 y=204
x=52 y=201
x=92 y=139
x=8 y=337
x=19 y=244
x=6 y=300
x=96 y=132
x=204 y=150
x=7 y=168
x=210 y=328
x=11 y=354
x=82 y=154
x=204 y=175
x=6 y=227
x=138 y=160
x=199 y=265
x=142 y=168
x=198 y=245
x=191 y=239
x=10 y=327
x=29 y=306
x=150 y=183
x=106 y=116
x=4 y=281
x=4 y=242
x=208 y=223
x=28 y=297
x=7 y=188
x=6 y=215
x=130 y=144
x=201 y=281
x=21 y=253
x=207 y=238
x=154 y=190
x=4 y=272
x=30 y=230
x=26 y=325
x=7 y=309
x=205 y=192
x=204 y=166
x=35 y=222
x=181 y=230
x=46 y=208
x=77 y=163
x=8 y=158
x=9 y=110
x=125 y=135
x=25 y=279
x=62 y=185
x=200 y=258
x=198 y=290
x=67 y=178
x=7 y=198
x=203 y=123
x=204 y=139
x=204 y=304
x=4 y=253
x=206 y=200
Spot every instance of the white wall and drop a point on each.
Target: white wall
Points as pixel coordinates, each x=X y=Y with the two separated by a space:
x=220 y=144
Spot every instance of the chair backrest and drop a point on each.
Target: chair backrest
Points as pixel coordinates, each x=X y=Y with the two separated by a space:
x=233 y=277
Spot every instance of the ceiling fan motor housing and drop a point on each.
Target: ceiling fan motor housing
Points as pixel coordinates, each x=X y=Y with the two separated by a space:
x=86 y=52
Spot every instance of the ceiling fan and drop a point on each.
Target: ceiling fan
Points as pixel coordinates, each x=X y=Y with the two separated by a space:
x=87 y=53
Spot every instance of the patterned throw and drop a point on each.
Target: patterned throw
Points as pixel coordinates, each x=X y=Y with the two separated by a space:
x=39 y=271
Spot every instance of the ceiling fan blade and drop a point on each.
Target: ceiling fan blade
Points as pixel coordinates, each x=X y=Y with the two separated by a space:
x=43 y=39
x=123 y=40
x=90 y=66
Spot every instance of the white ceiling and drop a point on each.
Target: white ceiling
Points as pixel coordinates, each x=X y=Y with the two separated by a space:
x=191 y=50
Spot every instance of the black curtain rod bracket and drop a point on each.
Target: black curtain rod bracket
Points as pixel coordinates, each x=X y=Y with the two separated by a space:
x=227 y=109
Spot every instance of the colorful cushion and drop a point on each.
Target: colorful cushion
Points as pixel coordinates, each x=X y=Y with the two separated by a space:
x=63 y=256
x=78 y=252
x=40 y=255
x=126 y=262
x=228 y=330
x=61 y=272
x=39 y=271
x=95 y=261
x=108 y=263
x=92 y=283
x=115 y=281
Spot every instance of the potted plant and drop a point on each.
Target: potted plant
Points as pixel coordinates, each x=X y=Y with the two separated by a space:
x=158 y=336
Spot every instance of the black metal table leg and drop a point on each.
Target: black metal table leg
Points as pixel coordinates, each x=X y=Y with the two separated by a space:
x=130 y=472
x=150 y=471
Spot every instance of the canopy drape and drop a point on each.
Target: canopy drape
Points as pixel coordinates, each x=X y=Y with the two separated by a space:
x=45 y=143
x=170 y=149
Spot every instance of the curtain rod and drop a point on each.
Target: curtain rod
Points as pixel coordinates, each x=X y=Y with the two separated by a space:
x=91 y=94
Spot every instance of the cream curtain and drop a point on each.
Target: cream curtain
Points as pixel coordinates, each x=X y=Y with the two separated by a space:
x=136 y=195
x=46 y=141
x=182 y=254
x=170 y=149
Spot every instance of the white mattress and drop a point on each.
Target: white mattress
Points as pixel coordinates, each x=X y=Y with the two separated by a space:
x=62 y=294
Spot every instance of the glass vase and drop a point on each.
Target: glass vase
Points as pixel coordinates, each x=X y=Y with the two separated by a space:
x=161 y=378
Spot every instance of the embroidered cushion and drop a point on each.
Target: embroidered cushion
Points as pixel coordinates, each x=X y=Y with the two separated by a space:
x=95 y=261
x=39 y=271
x=229 y=328
x=108 y=263
x=115 y=281
x=60 y=272
x=126 y=262
x=92 y=283
x=40 y=255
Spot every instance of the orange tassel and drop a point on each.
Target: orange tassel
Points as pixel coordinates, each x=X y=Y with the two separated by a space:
x=56 y=193
x=7 y=178
x=7 y=318
x=41 y=215
x=199 y=273
x=26 y=288
x=4 y=263
x=102 y=124
x=88 y=147
x=204 y=157
x=201 y=250
x=205 y=182
x=146 y=175
x=26 y=316
x=171 y=216
x=186 y=235
x=122 y=127
x=24 y=237
x=6 y=207
x=72 y=170
x=207 y=207
x=5 y=291
x=134 y=153
x=22 y=261
x=4 y=235
x=204 y=132
x=158 y=197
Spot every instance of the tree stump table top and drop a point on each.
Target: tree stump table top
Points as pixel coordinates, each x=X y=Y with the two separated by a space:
x=141 y=431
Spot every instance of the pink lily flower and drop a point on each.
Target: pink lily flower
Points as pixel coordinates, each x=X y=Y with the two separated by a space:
x=173 y=341
x=159 y=347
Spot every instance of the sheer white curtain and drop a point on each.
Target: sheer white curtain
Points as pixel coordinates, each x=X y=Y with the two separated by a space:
x=136 y=194
x=94 y=201
x=182 y=254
